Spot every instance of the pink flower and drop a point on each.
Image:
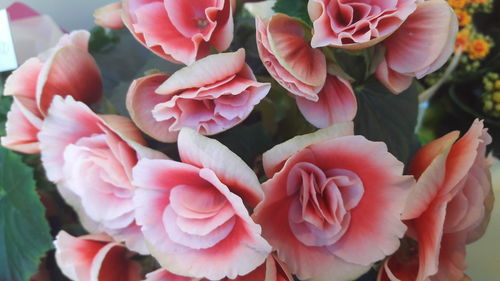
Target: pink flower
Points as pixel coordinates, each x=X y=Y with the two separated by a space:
x=447 y=208
x=288 y=57
x=356 y=24
x=193 y=212
x=212 y=95
x=67 y=69
x=109 y=16
x=332 y=204
x=94 y=257
x=420 y=46
x=182 y=30
x=271 y=270
x=336 y=104
x=90 y=158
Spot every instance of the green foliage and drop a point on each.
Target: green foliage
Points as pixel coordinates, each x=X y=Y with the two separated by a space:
x=102 y=39
x=24 y=232
x=5 y=103
x=383 y=116
x=293 y=8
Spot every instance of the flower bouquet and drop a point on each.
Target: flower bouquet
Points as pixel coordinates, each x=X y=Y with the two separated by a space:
x=224 y=140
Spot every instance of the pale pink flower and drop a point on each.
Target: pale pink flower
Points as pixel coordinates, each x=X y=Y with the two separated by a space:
x=90 y=158
x=288 y=57
x=109 y=16
x=67 y=69
x=212 y=95
x=193 y=213
x=336 y=104
x=332 y=203
x=181 y=30
x=94 y=257
x=447 y=208
x=271 y=270
x=420 y=46
x=356 y=24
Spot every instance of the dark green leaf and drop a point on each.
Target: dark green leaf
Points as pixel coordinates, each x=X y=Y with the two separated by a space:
x=293 y=8
x=5 y=103
x=24 y=232
x=102 y=39
x=383 y=116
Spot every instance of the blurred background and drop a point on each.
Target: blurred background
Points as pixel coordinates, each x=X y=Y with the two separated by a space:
x=69 y=14
x=483 y=256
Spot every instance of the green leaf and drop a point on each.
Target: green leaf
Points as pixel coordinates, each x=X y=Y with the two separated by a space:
x=24 y=232
x=293 y=8
x=102 y=40
x=5 y=103
x=383 y=116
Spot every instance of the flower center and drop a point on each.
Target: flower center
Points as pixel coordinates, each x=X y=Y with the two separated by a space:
x=319 y=213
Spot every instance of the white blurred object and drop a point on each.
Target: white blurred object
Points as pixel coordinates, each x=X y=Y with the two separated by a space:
x=34 y=35
x=483 y=256
x=8 y=59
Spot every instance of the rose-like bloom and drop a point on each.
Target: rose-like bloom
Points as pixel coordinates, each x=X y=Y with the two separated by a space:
x=420 y=46
x=180 y=31
x=271 y=270
x=356 y=24
x=109 y=16
x=67 y=69
x=94 y=257
x=192 y=212
x=332 y=204
x=336 y=104
x=288 y=57
x=90 y=158
x=447 y=208
x=212 y=95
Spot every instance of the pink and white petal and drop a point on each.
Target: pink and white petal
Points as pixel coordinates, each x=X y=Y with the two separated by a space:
x=141 y=99
x=164 y=275
x=223 y=33
x=75 y=256
x=393 y=269
x=201 y=73
x=274 y=158
x=427 y=188
x=392 y=80
x=462 y=156
x=109 y=16
x=21 y=134
x=419 y=42
x=67 y=121
x=286 y=39
x=452 y=262
x=165 y=36
x=132 y=237
x=111 y=257
x=373 y=232
x=242 y=252
x=429 y=231
x=22 y=82
x=203 y=152
x=336 y=104
x=69 y=71
x=77 y=38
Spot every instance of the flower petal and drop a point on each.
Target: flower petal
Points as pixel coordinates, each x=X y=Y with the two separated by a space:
x=201 y=151
x=109 y=16
x=274 y=158
x=336 y=104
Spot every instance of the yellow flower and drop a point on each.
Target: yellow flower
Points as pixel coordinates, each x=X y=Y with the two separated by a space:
x=462 y=39
x=464 y=18
x=457 y=4
x=478 y=48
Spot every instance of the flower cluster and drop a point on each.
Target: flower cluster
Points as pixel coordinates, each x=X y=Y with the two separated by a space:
x=330 y=204
x=491 y=96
